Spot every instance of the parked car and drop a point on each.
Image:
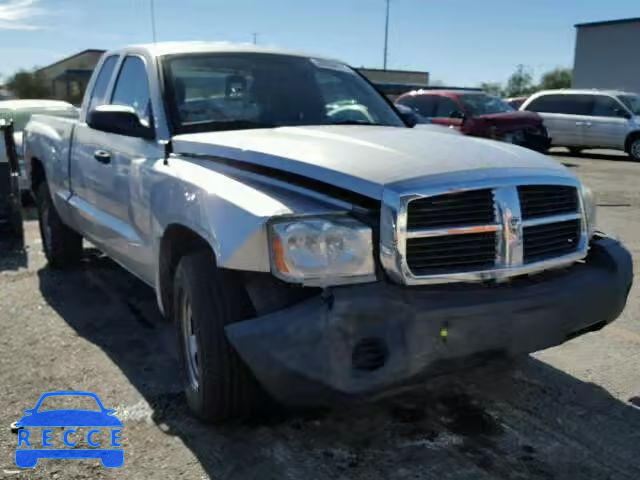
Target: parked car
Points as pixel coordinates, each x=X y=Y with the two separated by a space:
x=393 y=90
x=479 y=115
x=584 y=119
x=20 y=111
x=515 y=102
x=310 y=255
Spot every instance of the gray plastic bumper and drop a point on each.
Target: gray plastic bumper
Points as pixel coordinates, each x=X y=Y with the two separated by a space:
x=368 y=338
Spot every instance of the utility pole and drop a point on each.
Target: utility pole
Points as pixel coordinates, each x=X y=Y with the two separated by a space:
x=153 y=19
x=255 y=38
x=386 y=37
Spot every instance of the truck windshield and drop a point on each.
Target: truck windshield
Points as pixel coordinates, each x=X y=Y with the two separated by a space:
x=479 y=104
x=632 y=102
x=209 y=92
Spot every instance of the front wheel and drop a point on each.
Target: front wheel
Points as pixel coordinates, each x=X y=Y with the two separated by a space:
x=62 y=246
x=218 y=386
x=634 y=149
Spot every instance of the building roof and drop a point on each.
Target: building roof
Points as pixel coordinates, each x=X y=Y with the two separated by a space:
x=608 y=22
x=71 y=57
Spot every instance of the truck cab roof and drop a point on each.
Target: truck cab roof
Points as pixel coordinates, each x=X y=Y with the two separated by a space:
x=162 y=49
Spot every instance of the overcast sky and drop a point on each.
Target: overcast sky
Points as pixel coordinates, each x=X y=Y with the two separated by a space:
x=461 y=42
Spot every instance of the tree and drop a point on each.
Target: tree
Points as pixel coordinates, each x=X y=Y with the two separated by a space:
x=556 y=78
x=520 y=83
x=491 y=88
x=26 y=84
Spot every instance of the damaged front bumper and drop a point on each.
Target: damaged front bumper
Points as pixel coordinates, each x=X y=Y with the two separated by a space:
x=365 y=339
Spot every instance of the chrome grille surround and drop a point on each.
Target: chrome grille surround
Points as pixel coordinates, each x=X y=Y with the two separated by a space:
x=508 y=225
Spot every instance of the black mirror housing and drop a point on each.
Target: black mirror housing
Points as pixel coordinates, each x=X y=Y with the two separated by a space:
x=457 y=114
x=620 y=112
x=410 y=119
x=408 y=115
x=119 y=119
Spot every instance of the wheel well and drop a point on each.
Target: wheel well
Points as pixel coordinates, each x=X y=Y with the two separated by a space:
x=630 y=138
x=37 y=174
x=177 y=241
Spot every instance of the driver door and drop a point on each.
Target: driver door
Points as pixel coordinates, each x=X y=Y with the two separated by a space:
x=117 y=216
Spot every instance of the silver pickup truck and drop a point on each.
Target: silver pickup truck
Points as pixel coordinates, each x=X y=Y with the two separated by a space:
x=304 y=239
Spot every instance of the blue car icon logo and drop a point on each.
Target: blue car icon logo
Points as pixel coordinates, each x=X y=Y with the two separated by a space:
x=32 y=448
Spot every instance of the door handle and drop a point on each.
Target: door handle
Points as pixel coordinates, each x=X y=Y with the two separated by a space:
x=102 y=156
x=579 y=124
x=587 y=124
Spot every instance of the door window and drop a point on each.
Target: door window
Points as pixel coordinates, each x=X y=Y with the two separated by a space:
x=445 y=107
x=99 y=93
x=604 y=106
x=424 y=105
x=132 y=88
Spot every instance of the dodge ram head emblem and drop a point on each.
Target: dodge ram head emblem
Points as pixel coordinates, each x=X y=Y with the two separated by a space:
x=514 y=225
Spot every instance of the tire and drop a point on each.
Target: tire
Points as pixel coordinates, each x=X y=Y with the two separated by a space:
x=634 y=148
x=575 y=151
x=62 y=246
x=218 y=386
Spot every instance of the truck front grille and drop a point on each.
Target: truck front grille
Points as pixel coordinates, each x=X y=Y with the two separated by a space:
x=550 y=240
x=474 y=207
x=451 y=253
x=491 y=232
x=545 y=200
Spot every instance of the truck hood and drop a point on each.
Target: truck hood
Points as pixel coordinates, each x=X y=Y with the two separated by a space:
x=363 y=159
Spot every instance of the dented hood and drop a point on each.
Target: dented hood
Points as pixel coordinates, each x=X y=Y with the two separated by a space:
x=363 y=159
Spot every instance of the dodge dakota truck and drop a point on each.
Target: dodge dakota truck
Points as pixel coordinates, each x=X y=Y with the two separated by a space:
x=308 y=244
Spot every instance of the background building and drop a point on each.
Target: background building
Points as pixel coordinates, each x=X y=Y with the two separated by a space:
x=607 y=55
x=376 y=75
x=67 y=79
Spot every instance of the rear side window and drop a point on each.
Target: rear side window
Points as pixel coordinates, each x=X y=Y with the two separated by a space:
x=99 y=93
x=425 y=105
x=132 y=88
x=567 y=104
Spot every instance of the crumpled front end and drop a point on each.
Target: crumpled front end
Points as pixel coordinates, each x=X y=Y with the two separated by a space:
x=364 y=339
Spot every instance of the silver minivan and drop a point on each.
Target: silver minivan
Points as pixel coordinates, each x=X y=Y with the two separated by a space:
x=584 y=119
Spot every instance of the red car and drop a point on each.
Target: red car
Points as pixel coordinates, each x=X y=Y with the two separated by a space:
x=478 y=114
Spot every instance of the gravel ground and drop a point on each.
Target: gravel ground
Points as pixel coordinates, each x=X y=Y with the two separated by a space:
x=566 y=413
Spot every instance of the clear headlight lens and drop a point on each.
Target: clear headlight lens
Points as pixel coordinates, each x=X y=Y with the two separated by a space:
x=322 y=251
x=589 y=204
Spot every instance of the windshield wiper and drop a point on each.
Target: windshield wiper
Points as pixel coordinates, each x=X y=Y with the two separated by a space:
x=224 y=125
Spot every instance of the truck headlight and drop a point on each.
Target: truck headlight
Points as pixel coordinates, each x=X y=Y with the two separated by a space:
x=321 y=251
x=589 y=205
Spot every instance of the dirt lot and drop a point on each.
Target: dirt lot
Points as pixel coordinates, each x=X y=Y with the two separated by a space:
x=566 y=413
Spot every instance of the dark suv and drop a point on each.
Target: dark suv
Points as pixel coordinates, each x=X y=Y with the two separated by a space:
x=479 y=115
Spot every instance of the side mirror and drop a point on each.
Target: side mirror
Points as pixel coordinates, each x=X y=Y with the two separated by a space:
x=119 y=119
x=408 y=115
x=457 y=114
x=620 y=112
